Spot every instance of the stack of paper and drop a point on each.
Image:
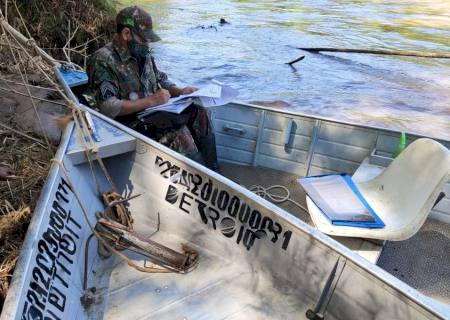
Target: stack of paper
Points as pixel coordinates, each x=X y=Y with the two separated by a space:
x=340 y=201
x=211 y=95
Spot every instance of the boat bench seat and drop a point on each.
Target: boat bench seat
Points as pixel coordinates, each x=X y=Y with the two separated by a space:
x=111 y=142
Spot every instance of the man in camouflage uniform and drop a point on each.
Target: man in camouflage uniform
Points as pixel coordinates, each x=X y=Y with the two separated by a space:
x=125 y=80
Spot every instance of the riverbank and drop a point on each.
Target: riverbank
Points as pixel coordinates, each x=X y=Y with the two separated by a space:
x=29 y=134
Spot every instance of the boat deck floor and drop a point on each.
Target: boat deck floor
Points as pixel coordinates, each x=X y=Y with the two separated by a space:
x=218 y=288
x=421 y=261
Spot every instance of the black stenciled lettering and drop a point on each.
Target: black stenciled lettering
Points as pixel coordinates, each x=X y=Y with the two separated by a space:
x=267 y=223
x=56 y=222
x=255 y=219
x=63 y=267
x=44 y=249
x=205 y=194
x=173 y=171
x=233 y=208
x=196 y=181
x=214 y=197
x=31 y=312
x=62 y=254
x=71 y=219
x=158 y=160
x=63 y=185
x=249 y=239
x=52 y=236
x=172 y=194
x=68 y=244
x=222 y=201
x=73 y=233
x=228 y=227
x=38 y=276
x=45 y=263
x=61 y=280
x=214 y=215
x=59 y=196
x=287 y=237
x=244 y=213
x=168 y=171
x=241 y=232
x=57 y=299
x=183 y=202
x=59 y=209
x=165 y=170
x=201 y=210
x=34 y=299
x=40 y=291
x=184 y=181
x=276 y=230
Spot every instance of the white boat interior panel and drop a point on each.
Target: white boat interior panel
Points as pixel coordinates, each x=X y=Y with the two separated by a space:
x=311 y=147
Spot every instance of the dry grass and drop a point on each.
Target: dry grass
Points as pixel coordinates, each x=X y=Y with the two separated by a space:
x=18 y=197
x=13 y=227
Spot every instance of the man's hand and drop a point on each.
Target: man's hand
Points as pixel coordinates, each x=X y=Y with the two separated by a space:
x=160 y=97
x=187 y=90
x=175 y=91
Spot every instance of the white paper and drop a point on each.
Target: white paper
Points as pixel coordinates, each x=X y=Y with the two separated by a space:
x=228 y=95
x=211 y=95
x=336 y=199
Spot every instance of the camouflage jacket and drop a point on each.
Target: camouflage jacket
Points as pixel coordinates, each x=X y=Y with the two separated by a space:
x=114 y=73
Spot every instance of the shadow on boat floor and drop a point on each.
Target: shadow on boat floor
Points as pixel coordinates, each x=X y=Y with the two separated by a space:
x=421 y=261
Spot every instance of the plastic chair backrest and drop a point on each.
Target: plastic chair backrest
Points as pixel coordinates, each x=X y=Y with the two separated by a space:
x=411 y=183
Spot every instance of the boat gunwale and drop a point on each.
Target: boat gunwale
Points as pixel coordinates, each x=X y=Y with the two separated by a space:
x=338 y=121
x=11 y=303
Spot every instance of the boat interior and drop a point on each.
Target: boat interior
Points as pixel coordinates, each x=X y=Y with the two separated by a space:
x=254 y=279
x=264 y=147
x=257 y=259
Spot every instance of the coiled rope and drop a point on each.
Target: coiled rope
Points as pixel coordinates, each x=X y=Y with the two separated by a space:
x=267 y=193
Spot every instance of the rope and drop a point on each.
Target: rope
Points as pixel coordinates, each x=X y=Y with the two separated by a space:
x=274 y=197
x=99 y=237
x=114 y=202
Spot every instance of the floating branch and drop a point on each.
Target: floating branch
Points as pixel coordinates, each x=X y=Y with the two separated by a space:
x=385 y=52
x=296 y=60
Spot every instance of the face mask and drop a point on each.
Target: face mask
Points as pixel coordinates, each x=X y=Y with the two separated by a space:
x=138 y=50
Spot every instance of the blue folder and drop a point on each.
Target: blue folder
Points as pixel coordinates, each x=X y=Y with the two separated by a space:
x=73 y=77
x=343 y=184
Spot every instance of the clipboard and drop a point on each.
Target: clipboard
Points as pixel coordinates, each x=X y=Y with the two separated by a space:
x=339 y=199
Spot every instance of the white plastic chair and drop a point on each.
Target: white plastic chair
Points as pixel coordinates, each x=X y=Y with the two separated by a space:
x=402 y=195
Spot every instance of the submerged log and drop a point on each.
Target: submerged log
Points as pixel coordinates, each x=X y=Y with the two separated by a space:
x=383 y=52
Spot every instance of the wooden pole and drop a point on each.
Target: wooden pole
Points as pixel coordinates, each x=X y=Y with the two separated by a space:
x=384 y=52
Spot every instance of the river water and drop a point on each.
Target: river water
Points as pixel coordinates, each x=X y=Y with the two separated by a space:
x=250 y=54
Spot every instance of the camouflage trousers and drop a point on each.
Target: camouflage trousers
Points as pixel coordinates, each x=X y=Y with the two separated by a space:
x=183 y=139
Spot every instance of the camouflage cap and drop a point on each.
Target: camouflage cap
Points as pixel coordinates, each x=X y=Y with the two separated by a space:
x=139 y=21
